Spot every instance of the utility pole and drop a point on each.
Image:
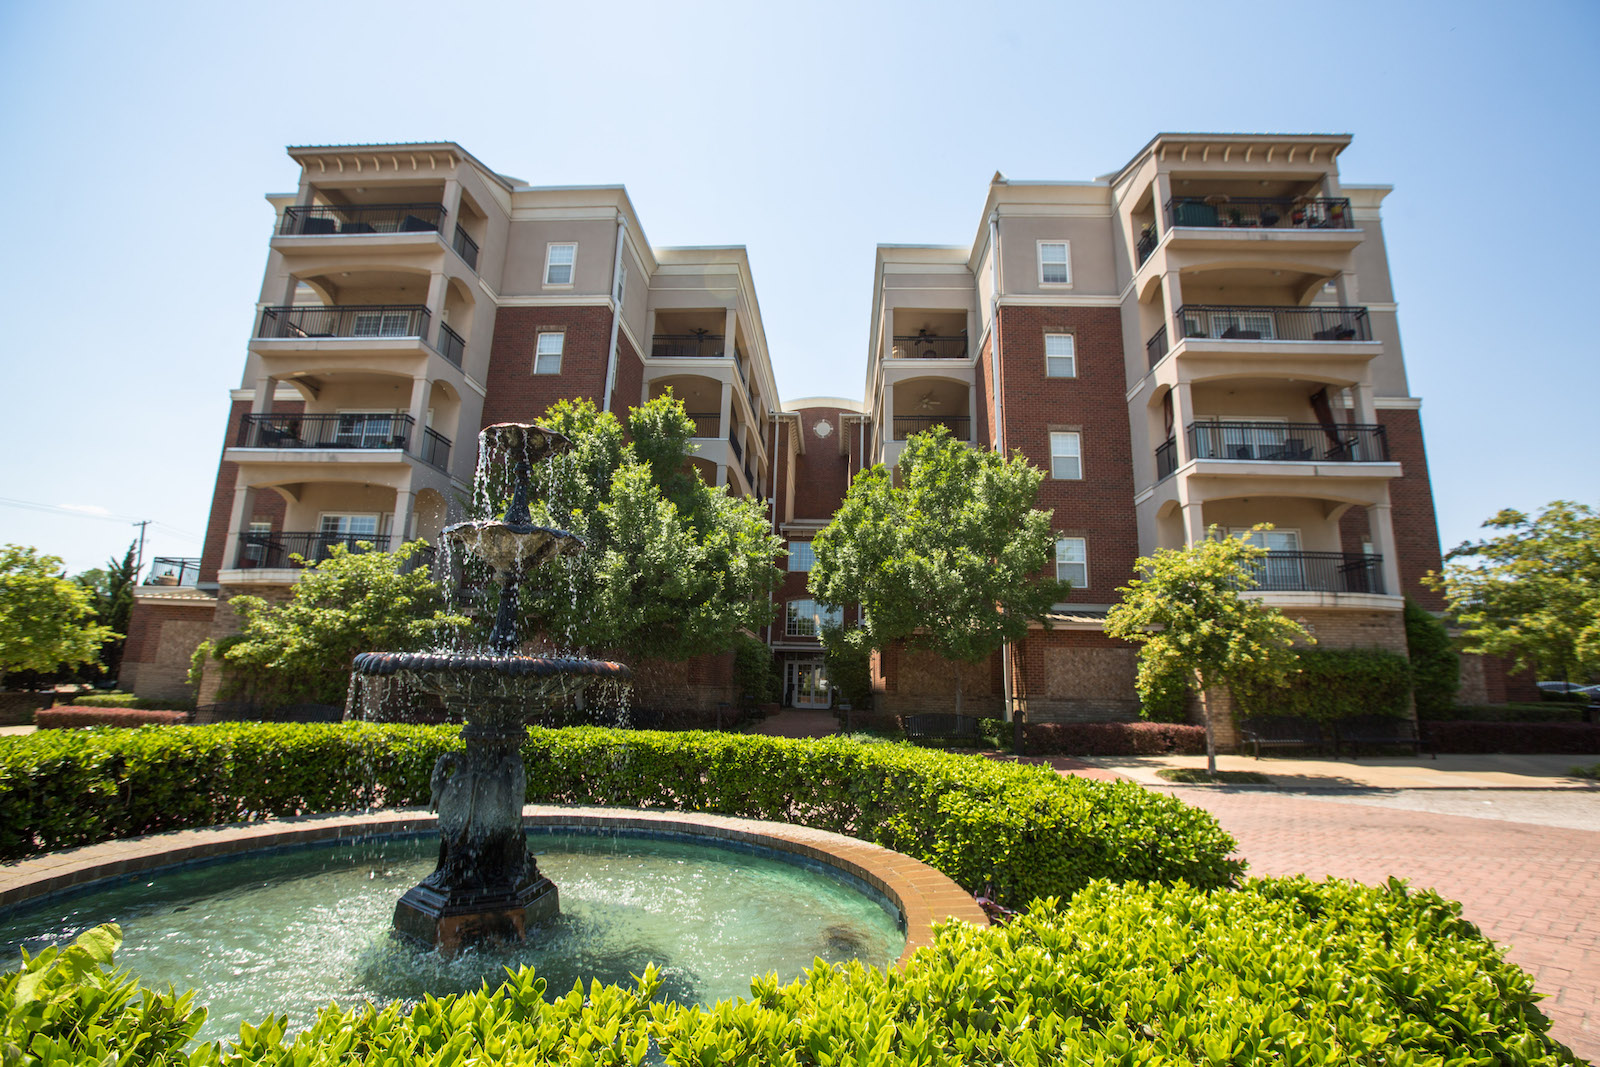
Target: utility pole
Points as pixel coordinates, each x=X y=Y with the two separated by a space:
x=139 y=566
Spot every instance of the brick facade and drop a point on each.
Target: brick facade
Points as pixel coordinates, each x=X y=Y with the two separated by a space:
x=225 y=620
x=515 y=393
x=1416 y=531
x=907 y=681
x=1076 y=676
x=161 y=638
x=629 y=383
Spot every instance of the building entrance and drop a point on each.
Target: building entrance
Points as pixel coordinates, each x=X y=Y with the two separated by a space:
x=806 y=685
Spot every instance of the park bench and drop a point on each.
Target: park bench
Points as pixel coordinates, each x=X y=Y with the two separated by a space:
x=1281 y=731
x=1378 y=730
x=931 y=726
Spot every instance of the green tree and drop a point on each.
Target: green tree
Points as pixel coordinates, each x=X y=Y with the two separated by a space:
x=111 y=593
x=952 y=560
x=352 y=602
x=1531 y=594
x=46 y=621
x=1189 y=618
x=1435 y=667
x=672 y=568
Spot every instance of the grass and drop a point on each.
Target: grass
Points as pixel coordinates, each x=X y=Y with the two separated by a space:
x=1592 y=773
x=1197 y=776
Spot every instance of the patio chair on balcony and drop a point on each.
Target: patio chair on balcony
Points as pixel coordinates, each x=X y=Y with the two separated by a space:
x=357 y=227
x=413 y=224
x=1242 y=452
x=1234 y=333
x=1293 y=449
x=1334 y=333
x=316 y=224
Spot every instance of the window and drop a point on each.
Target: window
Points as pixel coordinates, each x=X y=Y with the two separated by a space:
x=368 y=429
x=558 y=264
x=806 y=618
x=1060 y=355
x=1284 y=567
x=1066 y=458
x=547 y=355
x=1055 y=266
x=382 y=324
x=800 y=556
x=1072 y=561
x=335 y=528
x=257 y=541
x=622 y=283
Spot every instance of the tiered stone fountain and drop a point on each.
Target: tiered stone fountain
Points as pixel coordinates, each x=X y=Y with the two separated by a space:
x=487 y=885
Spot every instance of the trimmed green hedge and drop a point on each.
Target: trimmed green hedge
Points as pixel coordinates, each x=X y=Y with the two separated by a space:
x=1334 y=683
x=1024 y=830
x=75 y=718
x=1282 y=971
x=128 y=700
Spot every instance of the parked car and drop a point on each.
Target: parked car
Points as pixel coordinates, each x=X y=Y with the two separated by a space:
x=1572 y=691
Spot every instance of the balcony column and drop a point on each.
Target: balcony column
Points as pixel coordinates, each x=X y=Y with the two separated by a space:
x=405 y=518
x=452 y=207
x=1194 y=522
x=725 y=412
x=888 y=409
x=266 y=389
x=437 y=285
x=420 y=388
x=730 y=335
x=1380 y=529
x=1172 y=295
x=1161 y=193
x=1345 y=288
x=1366 y=412
x=1182 y=415
x=244 y=508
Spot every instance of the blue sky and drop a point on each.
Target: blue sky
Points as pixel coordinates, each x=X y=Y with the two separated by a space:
x=143 y=136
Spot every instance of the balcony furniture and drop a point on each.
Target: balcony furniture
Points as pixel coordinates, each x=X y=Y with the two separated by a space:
x=354 y=219
x=1385 y=730
x=1294 y=449
x=1242 y=452
x=1282 y=731
x=316 y=225
x=1194 y=213
x=1335 y=333
x=929 y=726
x=1234 y=333
x=357 y=227
x=412 y=224
x=1266 y=212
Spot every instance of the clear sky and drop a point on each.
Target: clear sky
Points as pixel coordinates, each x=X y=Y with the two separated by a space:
x=142 y=138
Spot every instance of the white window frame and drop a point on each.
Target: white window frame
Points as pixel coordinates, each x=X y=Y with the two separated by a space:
x=540 y=355
x=256 y=550
x=384 y=323
x=801 y=552
x=1064 y=566
x=797 y=617
x=1065 y=263
x=370 y=417
x=572 y=265
x=1075 y=454
x=1071 y=355
x=1280 y=573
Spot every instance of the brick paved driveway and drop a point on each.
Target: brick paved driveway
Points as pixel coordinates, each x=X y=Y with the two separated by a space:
x=1534 y=889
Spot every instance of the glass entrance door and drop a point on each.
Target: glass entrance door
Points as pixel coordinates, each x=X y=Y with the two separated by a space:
x=807 y=685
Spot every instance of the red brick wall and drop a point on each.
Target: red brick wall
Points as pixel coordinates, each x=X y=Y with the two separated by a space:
x=1076 y=676
x=1416 y=530
x=629 y=383
x=908 y=681
x=983 y=402
x=270 y=507
x=144 y=626
x=515 y=393
x=822 y=474
x=161 y=638
x=1099 y=508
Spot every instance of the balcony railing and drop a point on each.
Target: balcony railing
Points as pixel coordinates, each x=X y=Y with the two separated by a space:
x=274 y=550
x=738 y=449
x=1148 y=239
x=435 y=448
x=927 y=346
x=465 y=247
x=1304 y=442
x=362 y=218
x=687 y=345
x=1156 y=347
x=1253 y=323
x=1166 y=458
x=173 y=570
x=906 y=425
x=353 y=430
x=1266 y=213
x=451 y=345
x=344 y=320
x=705 y=423
x=1319 y=572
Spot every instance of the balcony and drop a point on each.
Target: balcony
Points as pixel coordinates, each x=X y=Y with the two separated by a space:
x=465 y=247
x=959 y=425
x=353 y=430
x=451 y=345
x=1156 y=348
x=1286 y=442
x=173 y=571
x=364 y=321
x=1228 y=322
x=435 y=448
x=1166 y=458
x=705 y=423
x=1267 y=213
x=738 y=449
x=1148 y=239
x=273 y=551
x=929 y=346
x=697 y=345
x=1319 y=572
x=358 y=219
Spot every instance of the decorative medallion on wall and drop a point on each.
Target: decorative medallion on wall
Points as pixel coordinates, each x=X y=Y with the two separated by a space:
x=823 y=428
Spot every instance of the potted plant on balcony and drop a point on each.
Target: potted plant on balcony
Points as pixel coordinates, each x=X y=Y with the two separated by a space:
x=1336 y=210
x=1269 y=215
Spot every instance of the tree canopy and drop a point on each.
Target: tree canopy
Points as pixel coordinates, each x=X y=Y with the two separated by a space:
x=1190 y=620
x=111 y=596
x=952 y=560
x=46 y=620
x=1531 y=593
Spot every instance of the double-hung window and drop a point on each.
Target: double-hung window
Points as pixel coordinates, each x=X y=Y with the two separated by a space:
x=806 y=618
x=1072 y=561
x=1055 y=263
x=801 y=558
x=1066 y=456
x=382 y=324
x=1060 y=355
x=367 y=429
x=1284 y=567
x=340 y=528
x=558 y=264
x=547 y=353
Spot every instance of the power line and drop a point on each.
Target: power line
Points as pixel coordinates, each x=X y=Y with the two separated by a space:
x=57 y=509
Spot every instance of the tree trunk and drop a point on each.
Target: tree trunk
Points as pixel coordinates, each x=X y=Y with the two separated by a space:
x=958 y=688
x=1211 y=737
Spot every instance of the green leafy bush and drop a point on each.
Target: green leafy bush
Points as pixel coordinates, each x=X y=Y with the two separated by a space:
x=1024 y=829
x=755 y=671
x=1550 y=712
x=1333 y=683
x=1435 y=666
x=1284 y=971
x=1115 y=739
x=128 y=700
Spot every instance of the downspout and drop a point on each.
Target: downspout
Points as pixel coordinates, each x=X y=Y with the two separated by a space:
x=1000 y=446
x=616 y=315
x=772 y=509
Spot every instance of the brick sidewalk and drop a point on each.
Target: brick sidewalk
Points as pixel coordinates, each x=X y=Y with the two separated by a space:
x=1534 y=889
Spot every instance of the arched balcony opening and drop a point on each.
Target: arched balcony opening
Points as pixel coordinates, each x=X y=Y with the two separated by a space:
x=920 y=404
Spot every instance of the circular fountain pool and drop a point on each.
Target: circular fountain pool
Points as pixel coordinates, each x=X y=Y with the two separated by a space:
x=287 y=931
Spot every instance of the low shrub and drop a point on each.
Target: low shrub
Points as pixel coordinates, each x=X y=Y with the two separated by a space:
x=1435 y=664
x=1279 y=971
x=75 y=718
x=1114 y=739
x=17 y=709
x=1334 y=683
x=1025 y=830
x=128 y=700
x=1201 y=776
x=1509 y=713
x=1591 y=773
x=1516 y=738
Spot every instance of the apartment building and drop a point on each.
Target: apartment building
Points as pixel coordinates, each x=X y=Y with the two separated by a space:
x=1205 y=337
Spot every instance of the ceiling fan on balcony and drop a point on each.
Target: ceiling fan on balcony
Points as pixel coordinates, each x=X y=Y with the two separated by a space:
x=928 y=401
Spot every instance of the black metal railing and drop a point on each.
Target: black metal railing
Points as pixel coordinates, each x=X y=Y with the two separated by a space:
x=1156 y=347
x=465 y=247
x=749 y=476
x=451 y=345
x=687 y=345
x=1229 y=322
x=275 y=550
x=361 y=218
x=352 y=430
x=1148 y=239
x=1268 y=213
x=344 y=320
x=906 y=425
x=435 y=448
x=739 y=365
x=705 y=423
x=926 y=346
x=738 y=449
x=1319 y=572
x=173 y=570
x=1307 y=442
x=1166 y=458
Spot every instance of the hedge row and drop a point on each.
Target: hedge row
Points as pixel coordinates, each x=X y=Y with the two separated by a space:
x=1548 y=712
x=1024 y=830
x=1517 y=738
x=128 y=700
x=1114 y=739
x=1282 y=971
x=76 y=718
x=1334 y=683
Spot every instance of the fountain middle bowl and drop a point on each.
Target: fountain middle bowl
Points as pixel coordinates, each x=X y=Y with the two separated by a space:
x=510 y=546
